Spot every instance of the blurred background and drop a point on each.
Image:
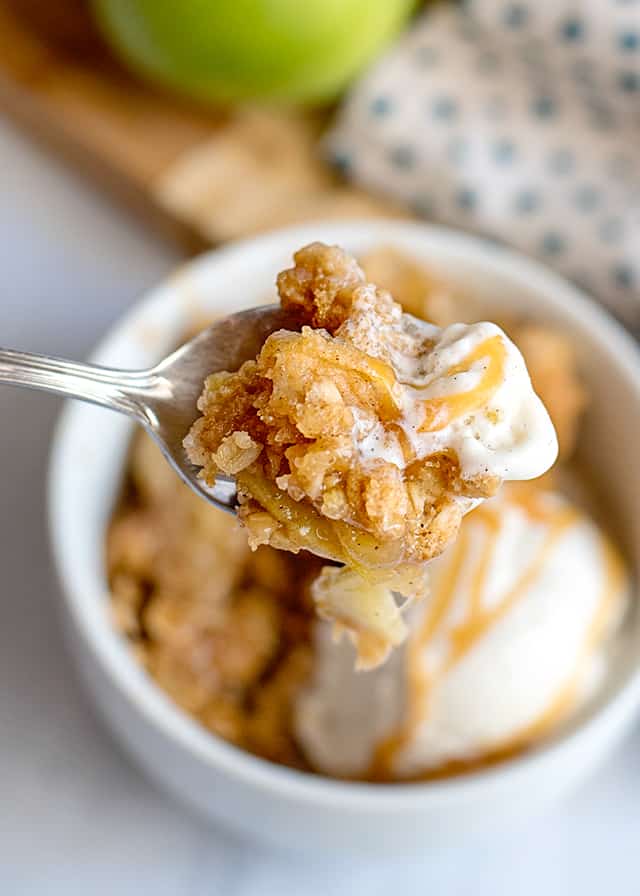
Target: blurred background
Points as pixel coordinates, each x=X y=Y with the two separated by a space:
x=205 y=152
x=137 y=133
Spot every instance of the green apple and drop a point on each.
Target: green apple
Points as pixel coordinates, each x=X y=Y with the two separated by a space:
x=227 y=50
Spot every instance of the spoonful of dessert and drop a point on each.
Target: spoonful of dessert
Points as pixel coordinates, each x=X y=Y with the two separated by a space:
x=337 y=424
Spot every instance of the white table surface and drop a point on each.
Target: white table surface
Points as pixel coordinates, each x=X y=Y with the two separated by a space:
x=75 y=816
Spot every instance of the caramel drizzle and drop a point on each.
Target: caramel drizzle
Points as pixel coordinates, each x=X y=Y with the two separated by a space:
x=568 y=694
x=465 y=635
x=408 y=452
x=440 y=412
x=479 y=621
x=418 y=683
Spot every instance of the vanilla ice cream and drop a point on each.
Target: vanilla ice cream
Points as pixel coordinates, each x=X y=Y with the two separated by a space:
x=507 y=644
x=465 y=389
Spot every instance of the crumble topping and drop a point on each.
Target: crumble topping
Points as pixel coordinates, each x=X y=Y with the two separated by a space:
x=367 y=435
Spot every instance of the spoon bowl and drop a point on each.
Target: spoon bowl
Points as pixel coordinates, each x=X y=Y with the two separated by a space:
x=171 y=407
x=163 y=398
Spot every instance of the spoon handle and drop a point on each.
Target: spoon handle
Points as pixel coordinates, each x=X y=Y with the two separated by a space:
x=120 y=390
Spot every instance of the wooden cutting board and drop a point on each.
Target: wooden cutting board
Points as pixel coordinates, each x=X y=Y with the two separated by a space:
x=196 y=174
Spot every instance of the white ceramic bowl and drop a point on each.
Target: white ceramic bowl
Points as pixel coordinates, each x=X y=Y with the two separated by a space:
x=247 y=794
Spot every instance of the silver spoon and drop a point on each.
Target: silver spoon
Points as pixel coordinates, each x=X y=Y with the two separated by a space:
x=163 y=398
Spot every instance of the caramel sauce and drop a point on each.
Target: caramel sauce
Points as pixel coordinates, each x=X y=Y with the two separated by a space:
x=491 y=519
x=476 y=625
x=465 y=636
x=406 y=447
x=440 y=412
x=569 y=692
x=418 y=683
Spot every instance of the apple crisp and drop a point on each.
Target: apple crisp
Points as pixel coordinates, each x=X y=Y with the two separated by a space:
x=366 y=435
x=226 y=632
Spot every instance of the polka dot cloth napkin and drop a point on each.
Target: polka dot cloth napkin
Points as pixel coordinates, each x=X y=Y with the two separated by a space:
x=520 y=120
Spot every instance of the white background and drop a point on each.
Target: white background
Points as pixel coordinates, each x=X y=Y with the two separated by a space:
x=75 y=817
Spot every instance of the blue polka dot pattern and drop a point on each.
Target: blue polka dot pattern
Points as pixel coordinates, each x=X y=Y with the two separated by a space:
x=543 y=107
x=586 y=198
x=444 y=108
x=466 y=199
x=516 y=15
x=518 y=119
x=623 y=276
x=402 y=157
x=527 y=201
x=381 y=106
x=629 y=41
x=504 y=151
x=572 y=30
x=553 y=243
x=342 y=161
x=629 y=81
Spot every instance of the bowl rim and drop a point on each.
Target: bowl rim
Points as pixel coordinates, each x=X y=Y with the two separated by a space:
x=166 y=717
